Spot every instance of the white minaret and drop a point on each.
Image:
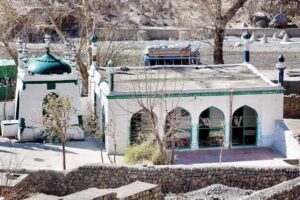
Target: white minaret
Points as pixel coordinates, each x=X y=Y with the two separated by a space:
x=20 y=51
x=73 y=59
x=25 y=59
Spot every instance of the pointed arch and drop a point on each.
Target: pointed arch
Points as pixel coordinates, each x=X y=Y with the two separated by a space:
x=141 y=126
x=211 y=127
x=244 y=126
x=178 y=127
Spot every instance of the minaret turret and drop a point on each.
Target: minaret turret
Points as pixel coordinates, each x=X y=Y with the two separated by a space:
x=281 y=67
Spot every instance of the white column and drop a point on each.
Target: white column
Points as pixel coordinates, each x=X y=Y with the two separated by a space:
x=195 y=136
x=227 y=132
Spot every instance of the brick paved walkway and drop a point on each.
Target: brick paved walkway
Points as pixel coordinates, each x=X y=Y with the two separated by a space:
x=229 y=156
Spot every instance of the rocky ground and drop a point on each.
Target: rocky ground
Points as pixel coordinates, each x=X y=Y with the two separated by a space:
x=212 y=192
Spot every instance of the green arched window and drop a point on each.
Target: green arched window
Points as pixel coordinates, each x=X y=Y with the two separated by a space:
x=211 y=123
x=142 y=124
x=178 y=127
x=244 y=126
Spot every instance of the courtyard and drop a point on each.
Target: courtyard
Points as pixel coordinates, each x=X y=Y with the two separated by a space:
x=35 y=156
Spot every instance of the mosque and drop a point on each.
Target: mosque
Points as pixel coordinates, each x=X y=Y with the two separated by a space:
x=204 y=102
x=201 y=103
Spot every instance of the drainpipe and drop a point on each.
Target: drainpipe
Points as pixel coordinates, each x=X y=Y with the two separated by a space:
x=111 y=75
x=246 y=37
x=230 y=117
x=281 y=67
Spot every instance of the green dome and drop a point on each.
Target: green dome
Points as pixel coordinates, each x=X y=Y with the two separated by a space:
x=48 y=64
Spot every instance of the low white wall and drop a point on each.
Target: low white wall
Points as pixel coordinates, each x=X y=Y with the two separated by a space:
x=285 y=142
x=9 y=111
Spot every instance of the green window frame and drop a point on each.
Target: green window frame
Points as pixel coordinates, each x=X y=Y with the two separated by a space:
x=51 y=86
x=211 y=127
x=244 y=121
x=80 y=120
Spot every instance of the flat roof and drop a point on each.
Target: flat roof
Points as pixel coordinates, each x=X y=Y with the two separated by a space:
x=188 y=78
x=6 y=62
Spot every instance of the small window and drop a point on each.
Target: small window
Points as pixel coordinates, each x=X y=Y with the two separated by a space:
x=50 y=86
x=80 y=120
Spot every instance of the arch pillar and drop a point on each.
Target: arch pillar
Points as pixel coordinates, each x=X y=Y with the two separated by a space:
x=195 y=135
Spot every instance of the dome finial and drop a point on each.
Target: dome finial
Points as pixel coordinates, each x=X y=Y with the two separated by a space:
x=246 y=35
x=110 y=63
x=94 y=38
x=281 y=58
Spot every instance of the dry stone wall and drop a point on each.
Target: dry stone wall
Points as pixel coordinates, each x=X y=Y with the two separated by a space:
x=289 y=190
x=292 y=106
x=175 y=179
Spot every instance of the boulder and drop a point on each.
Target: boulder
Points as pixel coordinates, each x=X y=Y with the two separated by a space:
x=244 y=25
x=262 y=18
x=144 y=20
x=296 y=20
x=279 y=21
x=261 y=24
x=274 y=36
x=159 y=21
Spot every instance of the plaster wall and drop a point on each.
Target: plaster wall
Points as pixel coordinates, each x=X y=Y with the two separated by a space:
x=268 y=107
x=285 y=141
x=9 y=111
x=30 y=107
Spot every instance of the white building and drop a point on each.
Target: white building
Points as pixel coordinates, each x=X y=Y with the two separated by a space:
x=37 y=78
x=204 y=100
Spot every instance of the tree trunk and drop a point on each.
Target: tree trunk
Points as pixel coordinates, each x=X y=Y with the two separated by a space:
x=64 y=155
x=115 y=152
x=218 y=48
x=173 y=151
x=101 y=150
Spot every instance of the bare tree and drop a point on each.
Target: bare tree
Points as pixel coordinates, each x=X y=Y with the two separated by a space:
x=214 y=15
x=147 y=83
x=56 y=119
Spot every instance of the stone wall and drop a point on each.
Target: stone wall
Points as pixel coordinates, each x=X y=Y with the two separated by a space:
x=176 y=179
x=292 y=106
x=166 y=33
x=269 y=32
x=289 y=190
x=133 y=191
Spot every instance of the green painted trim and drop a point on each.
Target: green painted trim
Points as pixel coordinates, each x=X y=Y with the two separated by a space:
x=48 y=82
x=171 y=95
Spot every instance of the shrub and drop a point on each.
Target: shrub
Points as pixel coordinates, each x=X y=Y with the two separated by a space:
x=146 y=151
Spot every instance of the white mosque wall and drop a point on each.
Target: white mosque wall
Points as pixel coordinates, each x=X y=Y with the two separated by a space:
x=285 y=141
x=269 y=108
x=30 y=108
x=7 y=110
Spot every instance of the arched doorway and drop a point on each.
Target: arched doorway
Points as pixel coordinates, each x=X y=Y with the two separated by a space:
x=244 y=126
x=141 y=126
x=211 y=127
x=178 y=126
